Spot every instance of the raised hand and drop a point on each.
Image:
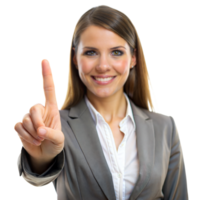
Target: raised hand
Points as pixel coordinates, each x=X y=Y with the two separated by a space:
x=43 y=148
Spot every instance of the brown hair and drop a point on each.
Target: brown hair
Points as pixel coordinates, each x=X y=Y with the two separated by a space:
x=136 y=86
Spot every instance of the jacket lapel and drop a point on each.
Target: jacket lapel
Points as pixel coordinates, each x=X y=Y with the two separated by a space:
x=146 y=146
x=83 y=127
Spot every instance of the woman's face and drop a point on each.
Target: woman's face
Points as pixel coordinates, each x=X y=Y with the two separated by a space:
x=102 y=53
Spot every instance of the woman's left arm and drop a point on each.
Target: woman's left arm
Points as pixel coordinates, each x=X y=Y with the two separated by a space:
x=175 y=185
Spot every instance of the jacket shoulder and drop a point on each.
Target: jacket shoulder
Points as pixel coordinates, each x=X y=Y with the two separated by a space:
x=160 y=119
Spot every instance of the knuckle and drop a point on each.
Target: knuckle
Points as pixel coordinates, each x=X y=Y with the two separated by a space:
x=36 y=108
x=24 y=116
x=18 y=131
x=14 y=124
x=49 y=88
x=33 y=109
x=16 y=127
x=26 y=121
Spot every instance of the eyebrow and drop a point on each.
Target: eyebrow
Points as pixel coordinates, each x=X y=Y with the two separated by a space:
x=110 y=48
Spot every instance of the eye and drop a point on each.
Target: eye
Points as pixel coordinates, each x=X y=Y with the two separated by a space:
x=86 y=53
x=121 y=53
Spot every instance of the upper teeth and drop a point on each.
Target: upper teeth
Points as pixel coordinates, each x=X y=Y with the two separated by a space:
x=103 y=79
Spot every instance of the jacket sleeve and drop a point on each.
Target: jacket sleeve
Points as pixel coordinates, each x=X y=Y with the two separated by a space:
x=40 y=179
x=175 y=185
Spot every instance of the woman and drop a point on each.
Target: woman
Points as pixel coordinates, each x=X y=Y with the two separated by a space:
x=104 y=143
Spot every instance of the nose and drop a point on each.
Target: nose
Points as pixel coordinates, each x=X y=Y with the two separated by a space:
x=103 y=63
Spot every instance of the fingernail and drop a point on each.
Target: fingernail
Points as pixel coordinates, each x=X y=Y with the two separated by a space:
x=37 y=142
x=39 y=138
x=42 y=131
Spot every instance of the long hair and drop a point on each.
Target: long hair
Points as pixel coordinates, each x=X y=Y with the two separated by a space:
x=136 y=86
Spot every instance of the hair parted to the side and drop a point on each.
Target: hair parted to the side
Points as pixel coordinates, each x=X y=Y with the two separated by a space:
x=136 y=86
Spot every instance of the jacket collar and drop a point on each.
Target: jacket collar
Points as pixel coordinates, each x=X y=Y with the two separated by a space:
x=84 y=129
x=96 y=115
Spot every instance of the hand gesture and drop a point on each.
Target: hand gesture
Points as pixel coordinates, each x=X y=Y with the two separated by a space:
x=43 y=147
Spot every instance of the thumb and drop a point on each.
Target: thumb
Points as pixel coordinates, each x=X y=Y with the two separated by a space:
x=55 y=136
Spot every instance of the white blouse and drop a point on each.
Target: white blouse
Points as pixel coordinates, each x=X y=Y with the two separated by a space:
x=124 y=163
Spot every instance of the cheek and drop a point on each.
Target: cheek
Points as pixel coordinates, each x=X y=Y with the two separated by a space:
x=122 y=66
x=85 y=65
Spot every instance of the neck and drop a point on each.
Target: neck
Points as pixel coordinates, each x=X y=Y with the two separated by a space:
x=111 y=108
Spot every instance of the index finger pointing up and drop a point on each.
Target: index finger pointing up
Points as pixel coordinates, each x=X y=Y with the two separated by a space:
x=48 y=84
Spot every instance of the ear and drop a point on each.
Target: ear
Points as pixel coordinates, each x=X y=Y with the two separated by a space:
x=133 y=59
x=74 y=58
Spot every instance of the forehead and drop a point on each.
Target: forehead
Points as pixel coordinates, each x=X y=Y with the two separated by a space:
x=99 y=36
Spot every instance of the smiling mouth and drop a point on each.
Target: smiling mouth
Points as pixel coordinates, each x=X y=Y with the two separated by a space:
x=102 y=78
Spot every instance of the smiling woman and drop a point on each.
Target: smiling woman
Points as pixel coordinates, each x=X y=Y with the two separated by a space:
x=104 y=46
x=102 y=72
x=113 y=147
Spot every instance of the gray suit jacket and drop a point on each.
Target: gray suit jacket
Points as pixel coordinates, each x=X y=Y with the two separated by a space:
x=80 y=171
